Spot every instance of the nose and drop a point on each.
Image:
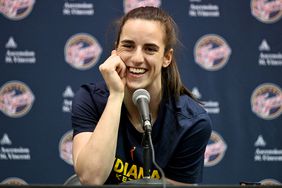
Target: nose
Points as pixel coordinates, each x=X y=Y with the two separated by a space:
x=138 y=56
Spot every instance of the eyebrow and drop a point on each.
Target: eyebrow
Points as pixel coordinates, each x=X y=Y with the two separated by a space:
x=126 y=41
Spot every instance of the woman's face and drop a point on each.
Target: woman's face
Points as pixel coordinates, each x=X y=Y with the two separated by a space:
x=141 y=47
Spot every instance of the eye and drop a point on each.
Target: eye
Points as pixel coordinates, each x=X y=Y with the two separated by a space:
x=150 y=49
x=127 y=46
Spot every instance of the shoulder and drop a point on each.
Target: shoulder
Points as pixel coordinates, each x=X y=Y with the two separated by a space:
x=99 y=89
x=186 y=106
x=190 y=113
x=91 y=94
x=92 y=90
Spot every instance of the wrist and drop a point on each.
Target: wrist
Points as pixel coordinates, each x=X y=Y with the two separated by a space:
x=116 y=97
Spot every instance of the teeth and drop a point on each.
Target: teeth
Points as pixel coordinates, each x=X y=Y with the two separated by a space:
x=136 y=70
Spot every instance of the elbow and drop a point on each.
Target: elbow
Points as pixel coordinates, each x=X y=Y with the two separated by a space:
x=90 y=174
x=91 y=179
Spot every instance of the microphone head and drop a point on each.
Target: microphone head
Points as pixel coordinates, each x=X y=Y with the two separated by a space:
x=140 y=93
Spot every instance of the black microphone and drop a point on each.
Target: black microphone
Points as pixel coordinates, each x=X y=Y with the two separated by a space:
x=141 y=99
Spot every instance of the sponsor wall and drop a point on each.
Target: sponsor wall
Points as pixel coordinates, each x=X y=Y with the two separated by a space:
x=231 y=59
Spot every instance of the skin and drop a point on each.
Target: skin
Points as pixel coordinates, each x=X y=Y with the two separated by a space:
x=135 y=63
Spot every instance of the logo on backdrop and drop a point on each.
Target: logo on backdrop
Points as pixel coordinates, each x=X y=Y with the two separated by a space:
x=14 y=56
x=215 y=150
x=71 y=8
x=82 y=51
x=266 y=57
x=270 y=182
x=266 y=101
x=9 y=152
x=16 y=99
x=260 y=142
x=211 y=52
x=16 y=9
x=128 y=5
x=266 y=11
x=68 y=96
x=264 y=154
x=212 y=107
x=198 y=9
x=65 y=147
x=14 y=181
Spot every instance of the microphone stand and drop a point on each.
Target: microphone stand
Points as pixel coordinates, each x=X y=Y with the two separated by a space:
x=147 y=155
x=147 y=158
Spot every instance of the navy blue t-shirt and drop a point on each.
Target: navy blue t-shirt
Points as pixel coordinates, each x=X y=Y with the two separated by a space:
x=179 y=135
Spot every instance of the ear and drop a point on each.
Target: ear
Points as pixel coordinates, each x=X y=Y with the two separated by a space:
x=168 y=57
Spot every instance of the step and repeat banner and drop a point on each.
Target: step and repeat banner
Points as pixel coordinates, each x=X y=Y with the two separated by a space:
x=230 y=58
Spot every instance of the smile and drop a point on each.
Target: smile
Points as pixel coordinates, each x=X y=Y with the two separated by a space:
x=136 y=70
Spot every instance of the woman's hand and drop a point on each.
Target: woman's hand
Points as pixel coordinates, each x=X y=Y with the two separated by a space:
x=113 y=71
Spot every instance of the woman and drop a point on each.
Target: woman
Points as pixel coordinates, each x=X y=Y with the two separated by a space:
x=107 y=129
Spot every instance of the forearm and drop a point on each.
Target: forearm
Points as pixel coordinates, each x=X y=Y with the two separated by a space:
x=95 y=160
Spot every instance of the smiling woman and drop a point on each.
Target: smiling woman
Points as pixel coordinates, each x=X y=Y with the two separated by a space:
x=143 y=53
x=107 y=142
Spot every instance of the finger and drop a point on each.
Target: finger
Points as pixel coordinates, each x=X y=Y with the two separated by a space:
x=121 y=70
x=114 y=52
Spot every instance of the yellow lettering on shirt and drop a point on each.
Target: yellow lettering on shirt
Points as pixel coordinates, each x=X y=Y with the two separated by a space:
x=125 y=168
x=155 y=174
x=126 y=171
x=118 y=166
x=140 y=174
x=132 y=172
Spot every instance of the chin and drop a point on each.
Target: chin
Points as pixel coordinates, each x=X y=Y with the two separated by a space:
x=134 y=86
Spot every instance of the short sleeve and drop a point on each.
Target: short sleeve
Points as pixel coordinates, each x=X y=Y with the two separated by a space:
x=87 y=107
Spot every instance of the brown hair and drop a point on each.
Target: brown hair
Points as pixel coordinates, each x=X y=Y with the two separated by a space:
x=171 y=81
